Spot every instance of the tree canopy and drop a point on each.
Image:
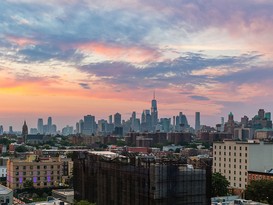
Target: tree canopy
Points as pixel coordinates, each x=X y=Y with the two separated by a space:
x=84 y=202
x=260 y=190
x=219 y=185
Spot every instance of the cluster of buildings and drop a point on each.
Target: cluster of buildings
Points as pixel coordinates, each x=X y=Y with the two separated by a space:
x=115 y=125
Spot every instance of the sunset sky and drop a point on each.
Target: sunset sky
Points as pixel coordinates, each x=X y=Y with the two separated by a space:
x=70 y=58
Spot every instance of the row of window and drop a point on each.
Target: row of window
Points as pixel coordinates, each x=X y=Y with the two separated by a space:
x=38 y=173
x=240 y=154
x=230 y=147
x=240 y=160
x=39 y=167
x=39 y=184
x=229 y=166
x=39 y=178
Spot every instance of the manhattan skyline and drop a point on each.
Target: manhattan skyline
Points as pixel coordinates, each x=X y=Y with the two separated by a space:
x=66 y=59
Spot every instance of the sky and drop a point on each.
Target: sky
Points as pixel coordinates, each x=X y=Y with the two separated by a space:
x=70 y=58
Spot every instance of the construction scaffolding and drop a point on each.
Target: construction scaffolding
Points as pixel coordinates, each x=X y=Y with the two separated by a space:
x=134 y=180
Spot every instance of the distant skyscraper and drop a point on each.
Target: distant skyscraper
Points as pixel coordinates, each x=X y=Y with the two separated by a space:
x=222 y=124
x=81 y=126
x=268 y=115
x=49 y=125
x=197 y=121
x=10 y=130
x=89 y=125
x=1 y=130
x=77 y=128
x=261 y=113
x=40 y=126
x=117 y=120
x=154 y=113
x=24 y=131
x=110 y=119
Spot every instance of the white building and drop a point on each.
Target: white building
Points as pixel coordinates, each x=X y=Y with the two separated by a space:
x=234 y=158
x=6 y=195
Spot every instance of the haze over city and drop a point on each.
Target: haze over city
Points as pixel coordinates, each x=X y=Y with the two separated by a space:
x=70 y=58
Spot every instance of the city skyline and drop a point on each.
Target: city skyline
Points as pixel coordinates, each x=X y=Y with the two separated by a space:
x=67 y=59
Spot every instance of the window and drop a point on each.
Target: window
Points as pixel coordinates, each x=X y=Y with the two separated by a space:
x=52 y=166
x=245 y=160
x=24 y=167
x=224 y=147
x=45 y=167
x=234 y=172
x=234 y=153
x=245 y=154
x=234 y=147
x=38 y=167
x=224 y=159
x=31 y=167
x=234 y=160
x=229 y=147
x=240 y=154
x=240 y=148
x=245 y=148
x=235 y=166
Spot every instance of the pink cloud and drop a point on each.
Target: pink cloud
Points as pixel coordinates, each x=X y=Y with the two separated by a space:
x=120 y=53
x=21 y=41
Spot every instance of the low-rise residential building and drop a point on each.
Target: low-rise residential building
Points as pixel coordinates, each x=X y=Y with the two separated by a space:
x=254 y=175
x=42 y=171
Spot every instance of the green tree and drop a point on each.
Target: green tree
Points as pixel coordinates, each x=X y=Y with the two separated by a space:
x=84 y=202
x=219 y=185
x=28 y=183
x=260 y=190
x=21 y=149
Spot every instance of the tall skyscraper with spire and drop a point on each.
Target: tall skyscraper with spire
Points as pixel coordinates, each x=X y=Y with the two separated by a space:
x=154 y=113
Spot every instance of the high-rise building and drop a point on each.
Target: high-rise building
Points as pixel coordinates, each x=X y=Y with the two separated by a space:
x=261 y=113
x=24 y=132
x=154 y=113
x=49 y=125
x=81 y=126
x=40 y=126
x=268 y=116
x=110 y=119
x=181 y=122
x=10 y=130
x=89 y=125
x=77 y=128
x=1 y=130
x=117 y=120
x=25 y=129
x=197 y=121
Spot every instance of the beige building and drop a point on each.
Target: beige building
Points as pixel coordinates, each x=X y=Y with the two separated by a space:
x=42 y=171
x=234 y=159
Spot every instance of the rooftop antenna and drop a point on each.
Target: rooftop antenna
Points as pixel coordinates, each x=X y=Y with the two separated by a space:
x=154 y=94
